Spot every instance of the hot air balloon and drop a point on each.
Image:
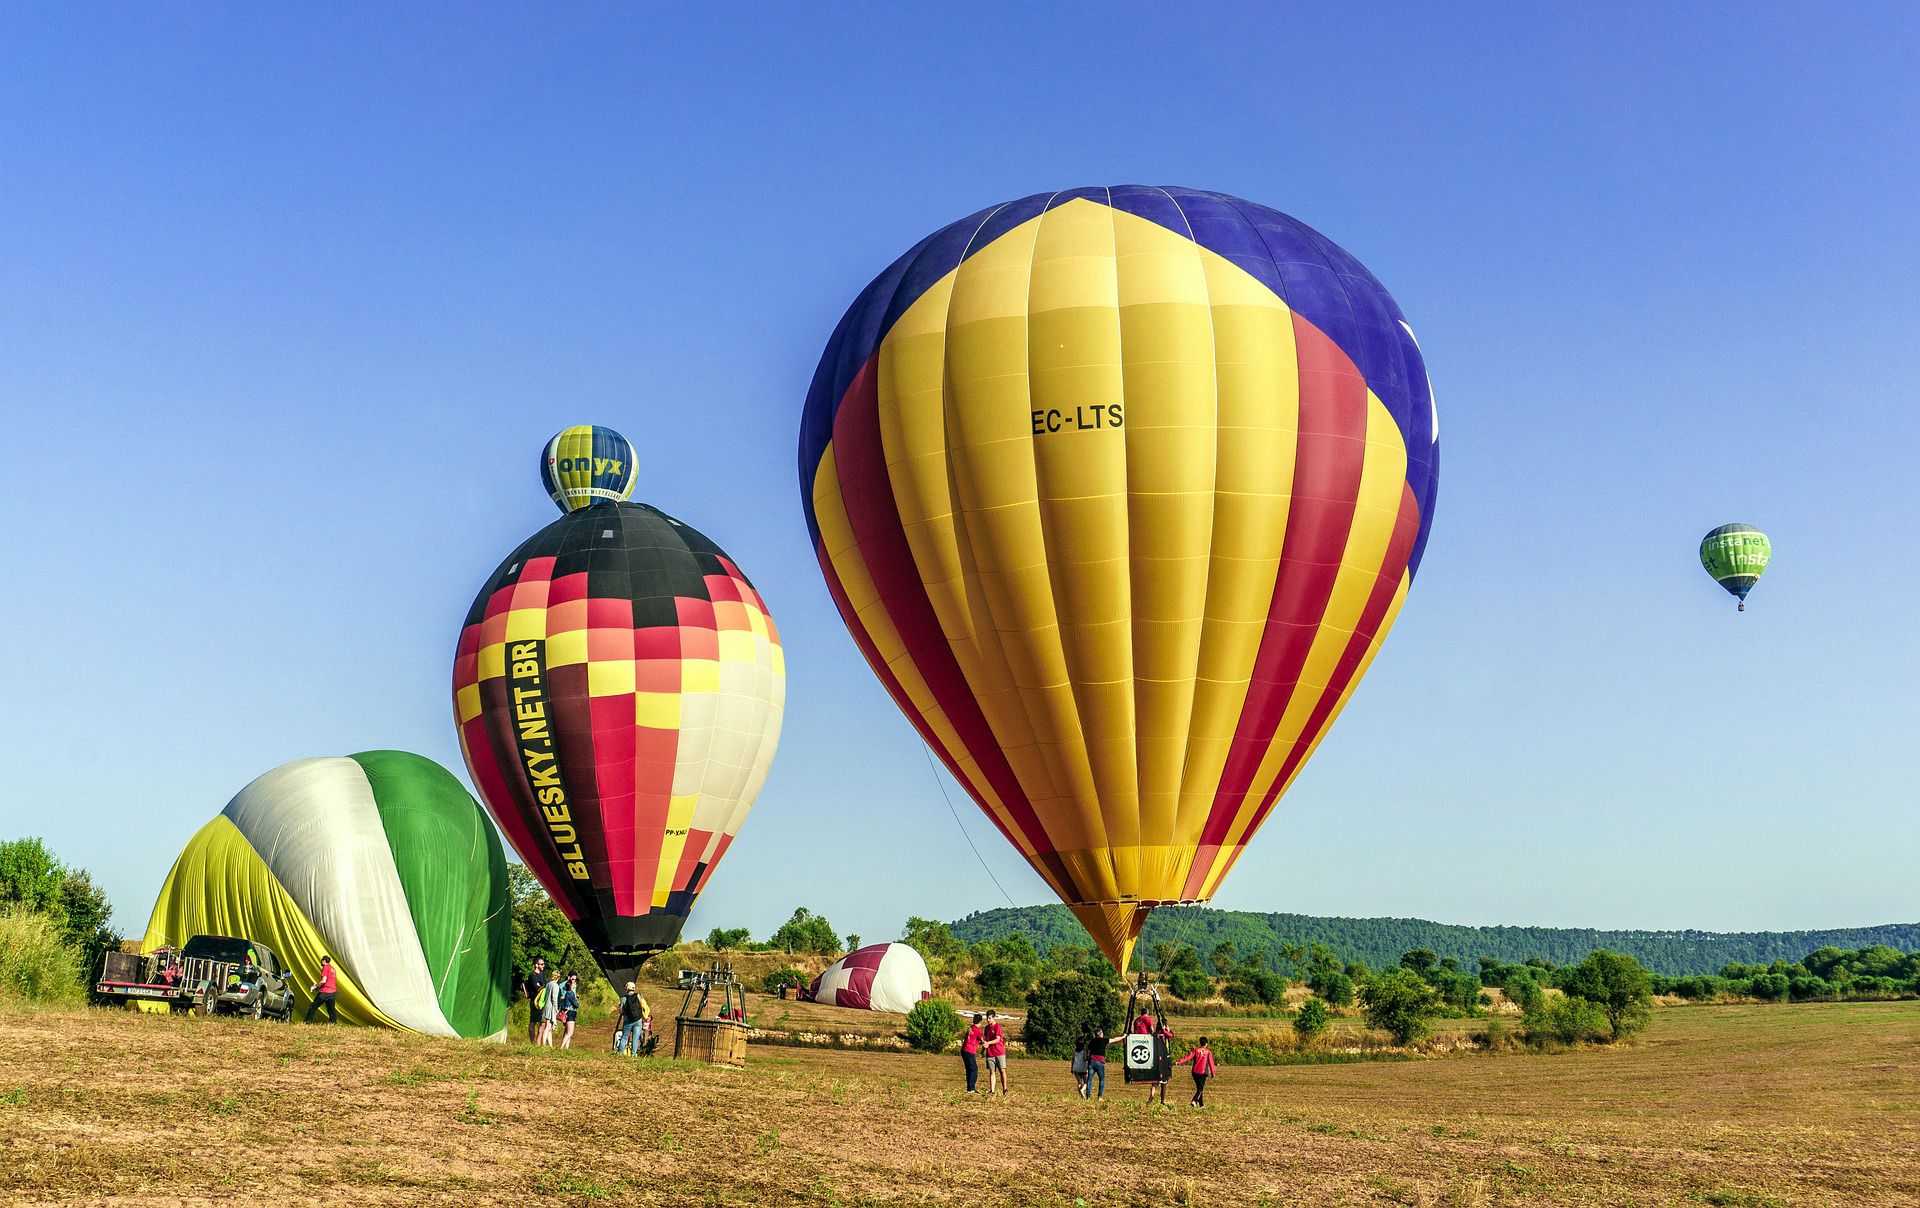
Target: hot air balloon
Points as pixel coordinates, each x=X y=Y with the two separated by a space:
x=618 y=687
x=1119 y=490
x=380 y=860
x=586 y=464
x=878 y=977
x=1736 y=555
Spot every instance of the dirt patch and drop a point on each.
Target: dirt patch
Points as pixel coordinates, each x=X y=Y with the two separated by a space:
x=1737 y=1105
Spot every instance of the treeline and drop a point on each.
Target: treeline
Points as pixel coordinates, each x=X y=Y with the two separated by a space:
x=1830 y=974
x=1379 y=942
x=54 y=925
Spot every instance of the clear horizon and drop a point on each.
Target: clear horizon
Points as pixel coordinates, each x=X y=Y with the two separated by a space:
x=290 y=302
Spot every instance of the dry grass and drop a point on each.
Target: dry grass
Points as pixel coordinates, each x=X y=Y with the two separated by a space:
x=1812 y=1104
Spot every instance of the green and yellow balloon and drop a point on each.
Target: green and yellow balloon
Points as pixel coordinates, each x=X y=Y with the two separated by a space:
x=1736 y=555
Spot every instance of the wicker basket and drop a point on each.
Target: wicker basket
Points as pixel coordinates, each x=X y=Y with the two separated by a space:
x=715 y=1041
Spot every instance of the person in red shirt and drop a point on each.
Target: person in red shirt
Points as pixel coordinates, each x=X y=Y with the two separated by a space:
x=324 y=992
x=1203 y=1067
x=995 y=1038
x=970 y=1055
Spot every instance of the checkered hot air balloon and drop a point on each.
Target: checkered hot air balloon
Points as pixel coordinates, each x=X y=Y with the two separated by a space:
x=1119 y=490
x=618 y=687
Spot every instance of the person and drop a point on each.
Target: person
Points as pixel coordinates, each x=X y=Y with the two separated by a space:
x=995 y=1038
x=626 y=1030
x=1164 y=1033
x=324 y=992
x=549 y=1000
x=1143 y=1026
x=1096 y=1065
x=569 y=1008
x=970 y=1054
x=535 y=980
x=1203 y=1066
x=1079 y=1065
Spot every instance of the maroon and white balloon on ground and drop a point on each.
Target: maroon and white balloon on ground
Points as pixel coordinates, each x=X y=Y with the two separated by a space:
x=878 y=977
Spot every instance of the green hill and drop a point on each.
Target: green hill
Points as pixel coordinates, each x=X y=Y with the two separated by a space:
x=1379 y=942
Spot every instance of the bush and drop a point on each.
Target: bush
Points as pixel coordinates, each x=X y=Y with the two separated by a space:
x=36 y=964
x=1312 y=1019
x=1524 y=992
x=1063 y=1007
x=1335 y=987
x=1002 y=983
x=933 y=1025
x=774 y=981
x=1567 y=1020
x=1618 y=985
x=1401 y=1004
x=1190 y=986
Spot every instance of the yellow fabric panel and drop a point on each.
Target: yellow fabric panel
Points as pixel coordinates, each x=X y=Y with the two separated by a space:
x=679 y=816
x=467 y=703
x=221 y=886
x=565 y=649
x=1259 y=417
x=1382 y=479
x=526 y=624
x=1228 y=856
x=613 y=677
x=836 y=537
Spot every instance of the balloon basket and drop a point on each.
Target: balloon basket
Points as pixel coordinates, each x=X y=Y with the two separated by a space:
x=714 y=1041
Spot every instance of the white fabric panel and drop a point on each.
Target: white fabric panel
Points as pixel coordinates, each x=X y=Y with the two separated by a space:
x=832 y=980
x=315 y=824
x=901 y=980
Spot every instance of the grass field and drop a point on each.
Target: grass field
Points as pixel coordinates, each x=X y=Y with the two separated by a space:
x=1738 y=1105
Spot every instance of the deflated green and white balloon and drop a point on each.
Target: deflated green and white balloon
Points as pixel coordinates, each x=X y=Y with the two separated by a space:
x=1736 y=555
x=382 y=861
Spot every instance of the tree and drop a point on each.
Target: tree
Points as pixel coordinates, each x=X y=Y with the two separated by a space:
x=1336 y=988
x=1523 y=991
x=539 y=929
x=853 y=940
x=1400 y=1003
x=1063 y=1007
x=87 y=926
x=1616 y=984
x=933 y=940
x=1311 y=1020
x=806 y=932
x=724 y=939
x=1068 y=958
x=30 y=877
x=778 y=979
x=1420 y=960
x=1190 y=985
x=1222 y=956
x=1002 y=983
x=933 y=1024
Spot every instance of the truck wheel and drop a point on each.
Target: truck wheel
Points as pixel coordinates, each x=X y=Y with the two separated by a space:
x=259 y=1007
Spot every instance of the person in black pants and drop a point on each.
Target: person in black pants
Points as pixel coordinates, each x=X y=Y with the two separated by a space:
x=325 y=991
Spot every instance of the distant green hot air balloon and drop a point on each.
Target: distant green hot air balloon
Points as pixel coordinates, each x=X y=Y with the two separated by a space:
x=1736 y=555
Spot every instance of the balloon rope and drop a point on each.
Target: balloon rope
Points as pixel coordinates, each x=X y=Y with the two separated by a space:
x=963 y=830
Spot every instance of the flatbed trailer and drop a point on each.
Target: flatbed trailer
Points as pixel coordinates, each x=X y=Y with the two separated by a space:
x=209 y=975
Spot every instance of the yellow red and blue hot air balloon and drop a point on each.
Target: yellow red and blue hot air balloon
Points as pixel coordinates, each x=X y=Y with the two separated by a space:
x=1119 y=490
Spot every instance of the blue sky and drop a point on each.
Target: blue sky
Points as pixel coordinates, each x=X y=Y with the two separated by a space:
x=288 y=303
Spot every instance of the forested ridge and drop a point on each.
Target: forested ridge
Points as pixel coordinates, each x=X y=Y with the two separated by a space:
x=1379 y=942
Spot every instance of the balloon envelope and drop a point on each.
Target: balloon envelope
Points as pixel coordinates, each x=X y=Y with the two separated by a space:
x=588 y=464
x=1118 y=491
x=381 y=861
x=878 y=977
x=1736 y=555
x=619 y=689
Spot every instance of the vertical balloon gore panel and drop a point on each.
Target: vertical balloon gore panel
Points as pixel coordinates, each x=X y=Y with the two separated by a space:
x=1119 y=490
x=619 y=688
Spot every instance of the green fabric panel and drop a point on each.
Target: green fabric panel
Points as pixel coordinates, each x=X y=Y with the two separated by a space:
x=1735 y=550
x=454 y=874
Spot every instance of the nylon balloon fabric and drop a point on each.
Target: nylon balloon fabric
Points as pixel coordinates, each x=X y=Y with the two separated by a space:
x=1118 y=491
x=619 y=688
x=1736 y=555
x=588 y=464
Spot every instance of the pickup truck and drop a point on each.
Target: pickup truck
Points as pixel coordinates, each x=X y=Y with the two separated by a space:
x=208 y=975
